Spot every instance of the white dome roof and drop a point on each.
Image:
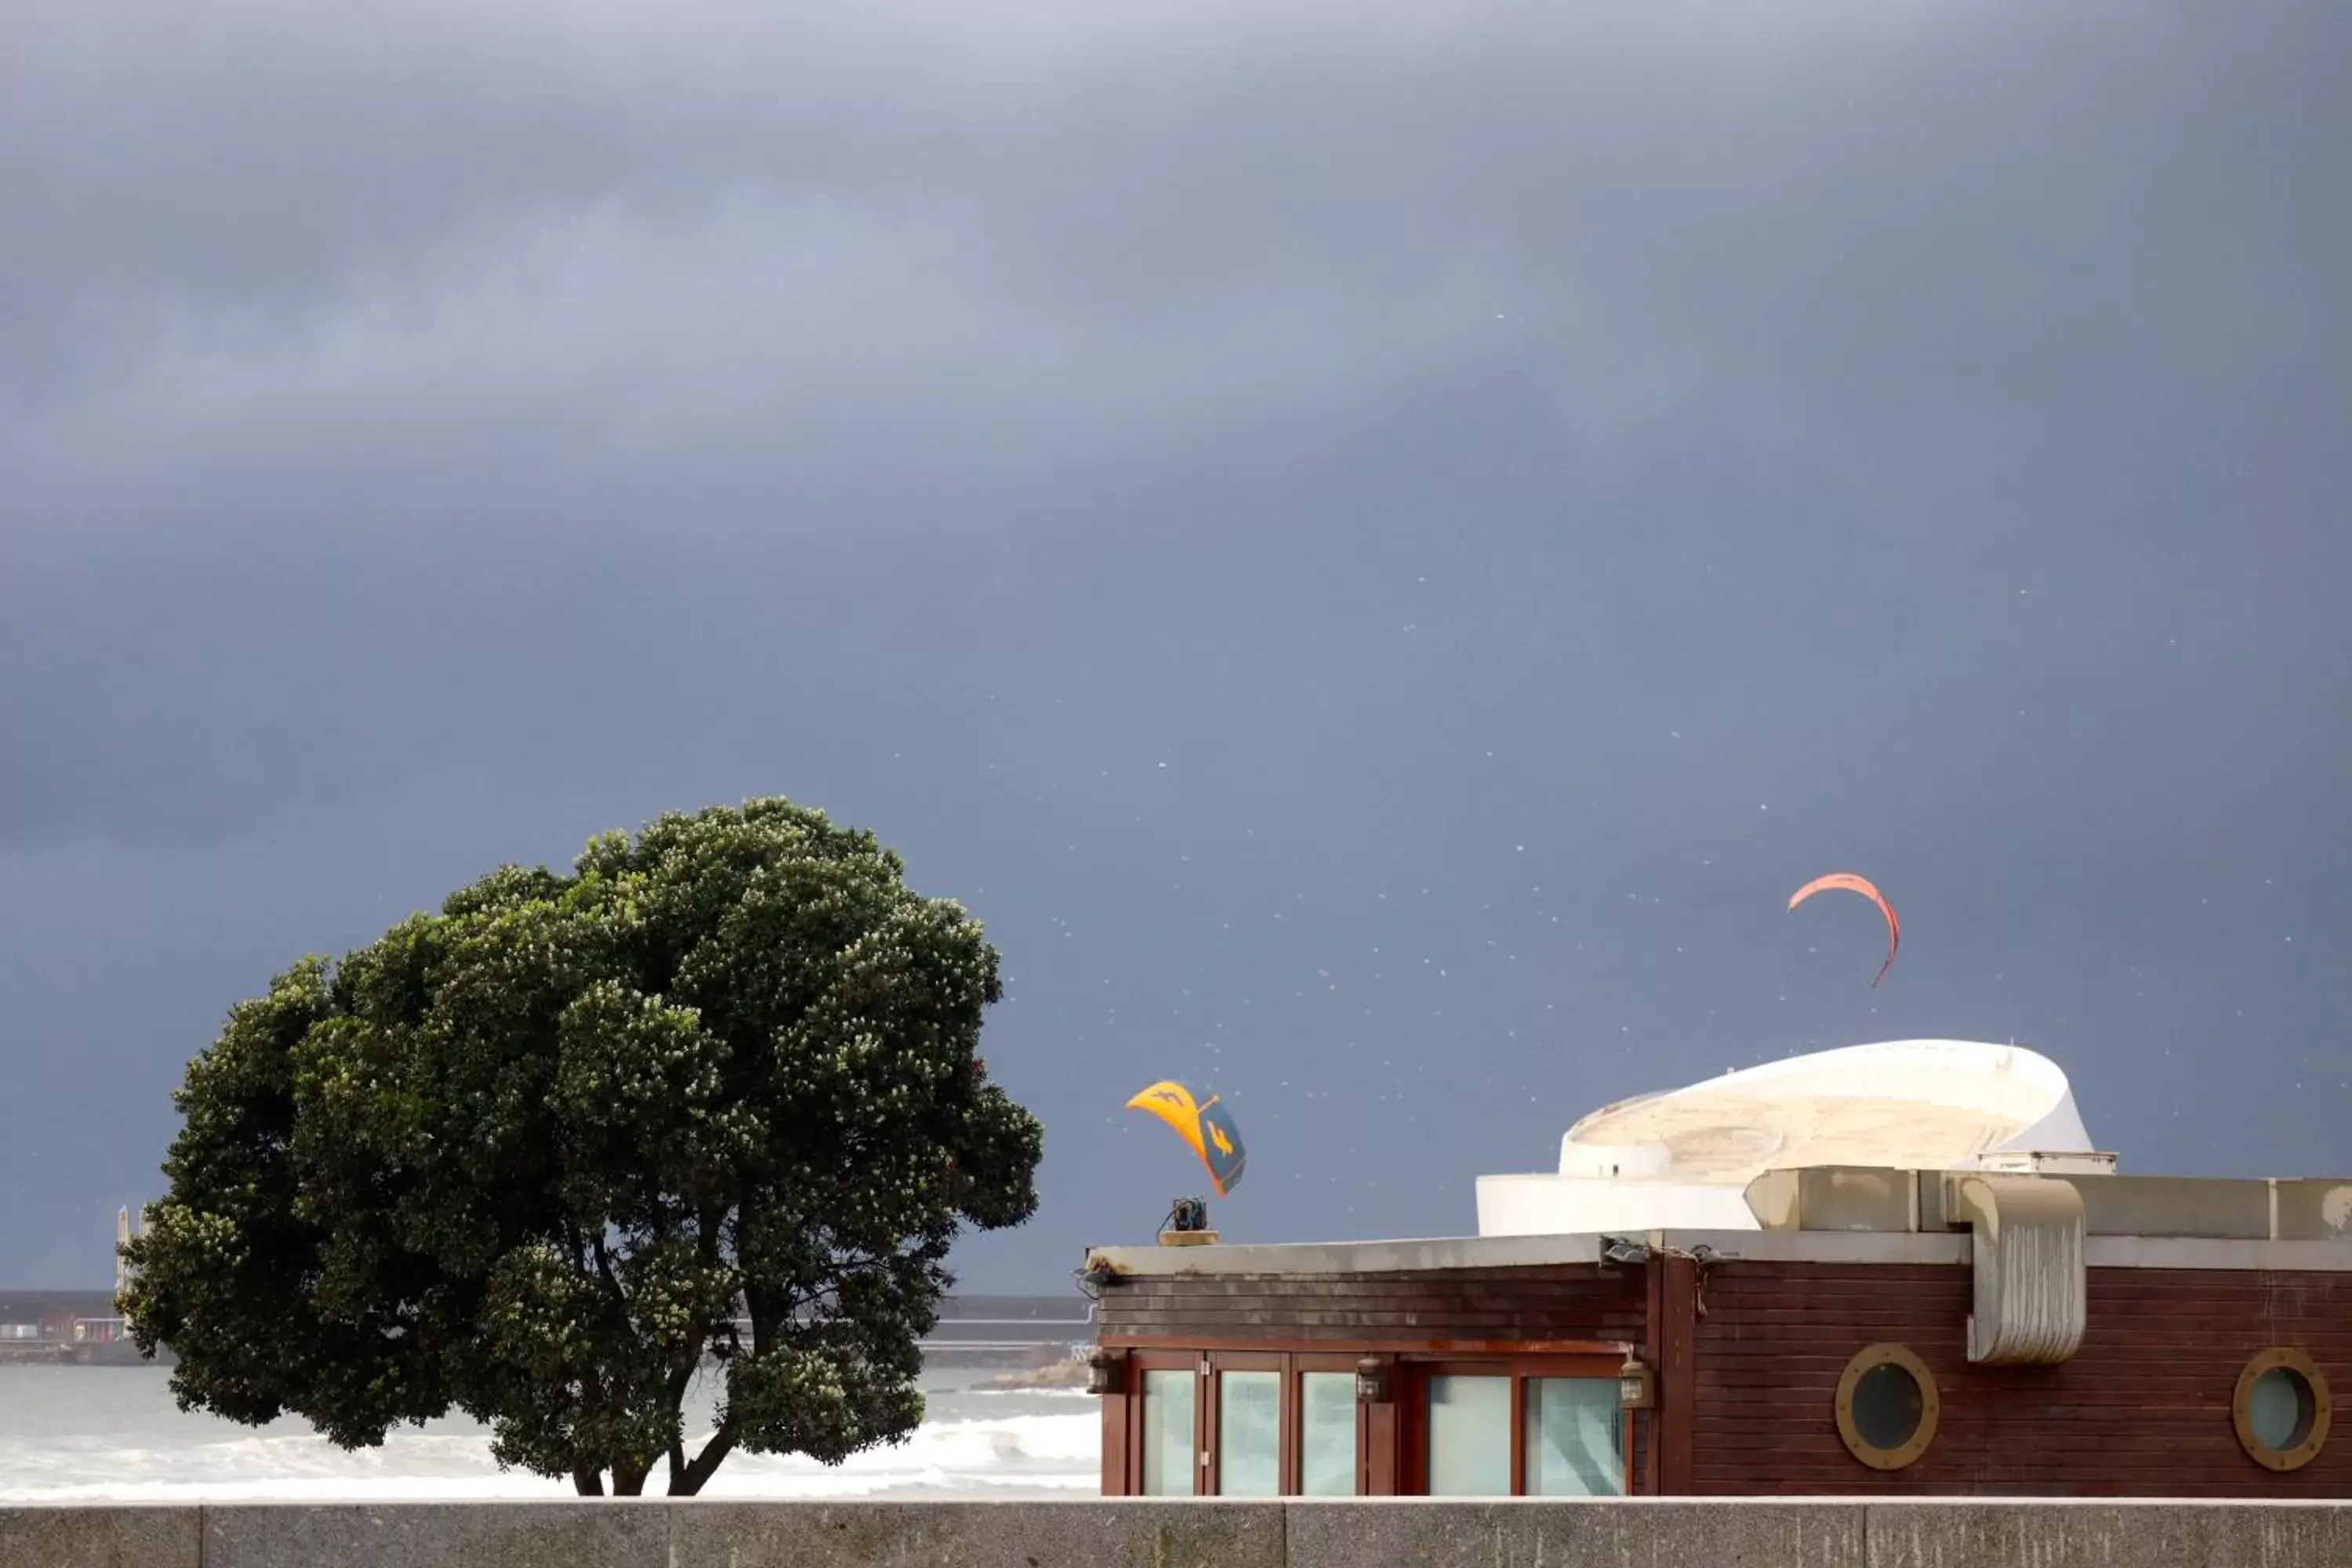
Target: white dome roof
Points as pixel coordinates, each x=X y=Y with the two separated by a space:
x=1914 y=1103
x=1685 y=1158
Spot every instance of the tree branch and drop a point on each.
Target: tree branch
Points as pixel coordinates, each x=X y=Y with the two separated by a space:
x=680 y=1380
x=613 y=1288
x=706 y=1464
x=572 y=1239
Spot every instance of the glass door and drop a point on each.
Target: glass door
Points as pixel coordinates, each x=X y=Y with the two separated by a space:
x=1330 y=1444
x=1536 y=1427
x=1244 y=1424
x=1245 y=1431
x=1572 y=1437
x=1166 y=1426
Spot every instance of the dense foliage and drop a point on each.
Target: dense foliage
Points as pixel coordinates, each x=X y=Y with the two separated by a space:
x=711 y=1104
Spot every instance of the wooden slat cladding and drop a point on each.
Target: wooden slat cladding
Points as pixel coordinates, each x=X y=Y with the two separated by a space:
x=2142 y=1409
x=1570 y=1302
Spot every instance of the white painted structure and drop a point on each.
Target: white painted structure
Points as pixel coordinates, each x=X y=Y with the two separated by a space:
x=1682 y=1160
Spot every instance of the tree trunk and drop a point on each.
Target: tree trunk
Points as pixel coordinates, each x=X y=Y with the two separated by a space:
x=588 y=1483
x=689 y=1481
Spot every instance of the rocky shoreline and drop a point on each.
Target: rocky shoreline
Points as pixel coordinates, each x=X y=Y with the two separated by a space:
x=1060 y=1375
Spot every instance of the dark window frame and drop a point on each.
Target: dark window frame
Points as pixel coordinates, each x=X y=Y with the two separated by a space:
x=1412 y=1480
x=1208 y=1366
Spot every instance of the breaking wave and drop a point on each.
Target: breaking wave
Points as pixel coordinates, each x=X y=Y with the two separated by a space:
x=107 y=1440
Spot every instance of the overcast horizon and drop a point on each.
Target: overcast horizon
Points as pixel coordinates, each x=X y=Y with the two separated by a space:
x=1373 y=545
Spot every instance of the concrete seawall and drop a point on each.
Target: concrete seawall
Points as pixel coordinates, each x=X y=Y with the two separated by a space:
x=1388 y=1533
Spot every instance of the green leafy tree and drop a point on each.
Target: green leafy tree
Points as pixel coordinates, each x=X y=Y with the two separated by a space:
x=711 y=1102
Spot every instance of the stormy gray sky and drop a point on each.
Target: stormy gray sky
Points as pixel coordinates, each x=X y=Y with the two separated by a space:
x=1374 y=543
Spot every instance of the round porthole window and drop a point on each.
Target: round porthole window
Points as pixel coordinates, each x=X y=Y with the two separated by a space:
x=1886 y=1407
x=2280 y=1409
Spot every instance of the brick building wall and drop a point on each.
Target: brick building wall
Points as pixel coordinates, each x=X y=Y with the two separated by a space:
x=2142 y=1409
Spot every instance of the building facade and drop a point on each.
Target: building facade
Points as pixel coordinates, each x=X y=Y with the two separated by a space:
x=2011 y=1320
x=1787 y=1360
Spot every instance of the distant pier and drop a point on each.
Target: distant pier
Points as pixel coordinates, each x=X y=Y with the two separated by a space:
x=81 y=1328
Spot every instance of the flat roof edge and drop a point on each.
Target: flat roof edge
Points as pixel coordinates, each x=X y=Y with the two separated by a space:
x=1950 y=1246
x=1348 y=1257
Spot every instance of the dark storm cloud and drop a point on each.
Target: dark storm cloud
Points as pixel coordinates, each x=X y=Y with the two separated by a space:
x=1600 y=468
x=1869 y=236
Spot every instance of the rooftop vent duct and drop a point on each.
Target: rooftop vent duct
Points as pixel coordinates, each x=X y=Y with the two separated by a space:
x=2030 y=1295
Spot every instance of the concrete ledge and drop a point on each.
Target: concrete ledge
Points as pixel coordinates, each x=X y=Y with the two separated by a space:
x=578 y=1534
x=109 y=1537
x=2069 y=1534
x=1635 y=1532
x=1139 y=1533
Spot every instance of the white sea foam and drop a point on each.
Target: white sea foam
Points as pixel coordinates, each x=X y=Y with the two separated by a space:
x=111 y=1435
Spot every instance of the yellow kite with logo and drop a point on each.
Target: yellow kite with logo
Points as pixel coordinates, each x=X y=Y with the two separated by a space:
x=1205 y=1125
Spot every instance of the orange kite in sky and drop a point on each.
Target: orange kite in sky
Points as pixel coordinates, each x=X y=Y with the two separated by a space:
x=1854 y=884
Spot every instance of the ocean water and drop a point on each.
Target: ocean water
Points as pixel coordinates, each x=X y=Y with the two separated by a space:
x=102 y=1433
